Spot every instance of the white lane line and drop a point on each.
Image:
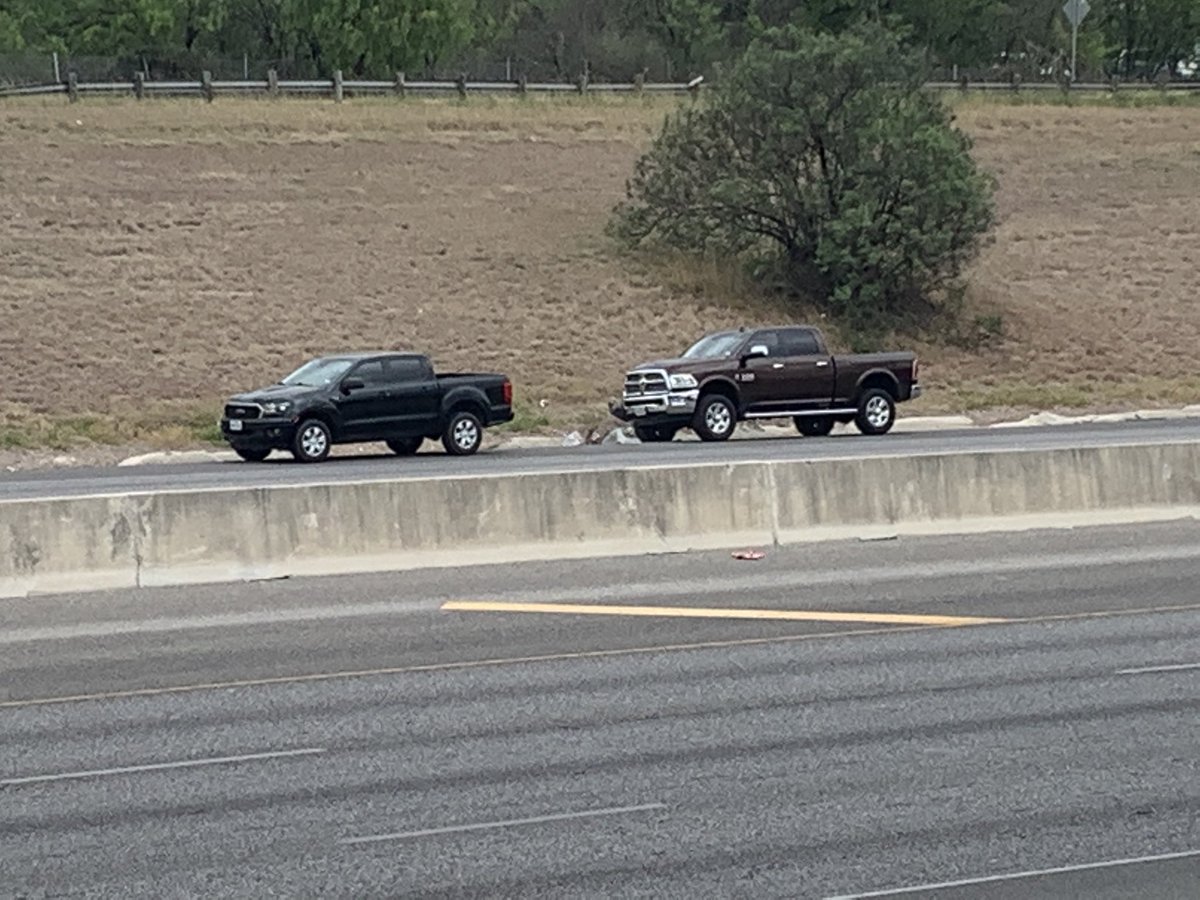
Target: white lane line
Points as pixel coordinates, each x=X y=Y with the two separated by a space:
x=504 y=823
x=249 y=618
x=1182 y=667
x=1032 y=873
x=156 y=767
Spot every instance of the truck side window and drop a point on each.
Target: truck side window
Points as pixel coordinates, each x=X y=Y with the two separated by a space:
x=406 y=371
x=769 y=339
x=798 y=342
x=370 y=372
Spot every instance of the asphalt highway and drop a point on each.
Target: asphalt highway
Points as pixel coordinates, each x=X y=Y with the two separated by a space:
x=975 y=717
x=432 y=462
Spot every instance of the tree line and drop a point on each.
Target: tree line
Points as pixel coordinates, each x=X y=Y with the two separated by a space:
x=608 y=39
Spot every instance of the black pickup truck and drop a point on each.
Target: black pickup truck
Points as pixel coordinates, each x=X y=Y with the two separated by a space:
x=766 y=373
x=362 y=397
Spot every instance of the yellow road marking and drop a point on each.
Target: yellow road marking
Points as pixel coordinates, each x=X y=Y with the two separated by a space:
x=566 y=657
x=705 y=612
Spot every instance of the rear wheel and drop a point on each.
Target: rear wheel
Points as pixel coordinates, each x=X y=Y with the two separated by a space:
x=876 y=412
x=814 y=426
x=655 y=434
x=405 y=446
x=257 y=454
x=312 y=441
x=463 y=434
x=716 y=418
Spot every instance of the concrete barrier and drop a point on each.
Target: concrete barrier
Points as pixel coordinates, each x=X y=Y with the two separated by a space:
x=227 y=535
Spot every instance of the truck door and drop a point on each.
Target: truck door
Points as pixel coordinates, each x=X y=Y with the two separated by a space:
x=415 y=401
x=364 y=410
x=794 y=375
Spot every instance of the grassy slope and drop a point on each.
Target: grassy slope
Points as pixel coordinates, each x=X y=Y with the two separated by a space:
x=157 y=256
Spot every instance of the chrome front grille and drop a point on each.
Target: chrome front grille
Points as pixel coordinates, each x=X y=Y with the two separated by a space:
x=645 y=385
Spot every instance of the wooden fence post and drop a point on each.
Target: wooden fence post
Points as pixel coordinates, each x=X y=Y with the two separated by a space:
x=399 y=84
x=461 y=84
x=338 y=92
x=272 y=82
x=581 y=83
x=522 y=85
x=139 y=85
x=73 y=86
x=639 y=82
x=206 y=85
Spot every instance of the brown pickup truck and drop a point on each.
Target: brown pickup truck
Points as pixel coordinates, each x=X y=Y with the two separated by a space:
x=765 y=373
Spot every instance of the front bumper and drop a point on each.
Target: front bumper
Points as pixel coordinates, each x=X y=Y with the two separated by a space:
x=672 y=405
x=276 y=433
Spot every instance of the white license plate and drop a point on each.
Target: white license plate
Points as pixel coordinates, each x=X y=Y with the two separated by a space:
x=235 y=424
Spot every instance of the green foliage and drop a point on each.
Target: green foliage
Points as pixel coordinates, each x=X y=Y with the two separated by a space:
x=611 y=38
x=823 y=153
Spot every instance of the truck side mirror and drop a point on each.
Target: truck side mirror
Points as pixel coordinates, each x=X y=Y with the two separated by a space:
x=756 y=351
x=352 y=384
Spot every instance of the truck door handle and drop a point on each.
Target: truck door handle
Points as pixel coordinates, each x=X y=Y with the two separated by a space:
x=777 y=365
x=822 y=364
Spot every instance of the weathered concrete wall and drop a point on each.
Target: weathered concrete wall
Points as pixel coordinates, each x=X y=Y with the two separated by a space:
x=226 y=535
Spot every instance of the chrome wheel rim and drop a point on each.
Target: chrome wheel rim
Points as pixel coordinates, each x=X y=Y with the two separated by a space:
x=466 y=433
x=717 y=418
x=879 y=412
x=313 y=441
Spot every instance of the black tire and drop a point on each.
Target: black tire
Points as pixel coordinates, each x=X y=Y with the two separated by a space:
x=655 y=434
x=312 y=442
x=405 y=446
x=814 y=426
x=257 y=454
x=876 y=412
x=716 y=418
x=463 y=433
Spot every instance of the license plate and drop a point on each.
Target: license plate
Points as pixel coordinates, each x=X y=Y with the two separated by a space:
x=235 y=424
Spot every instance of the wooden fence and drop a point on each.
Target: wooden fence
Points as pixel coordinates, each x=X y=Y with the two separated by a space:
x=339 y=88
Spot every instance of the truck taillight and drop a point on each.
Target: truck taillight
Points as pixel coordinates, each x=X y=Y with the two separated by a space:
x=508 y=393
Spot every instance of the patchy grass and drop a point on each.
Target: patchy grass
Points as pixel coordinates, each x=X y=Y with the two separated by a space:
x=158 y=256
x=169 y=429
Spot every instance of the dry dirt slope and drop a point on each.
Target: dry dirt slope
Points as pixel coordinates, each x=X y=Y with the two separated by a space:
x=155 y=256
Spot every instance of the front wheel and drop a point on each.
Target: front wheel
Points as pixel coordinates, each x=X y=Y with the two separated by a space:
x=257 y=454
x=405 y=446
x=312 y=441
x=654 y=434
x=876 y=412
x=463 y=434
x=716 y=417
x=814 y=426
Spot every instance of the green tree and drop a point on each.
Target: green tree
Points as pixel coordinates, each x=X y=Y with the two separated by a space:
x=1146 y=36
x=380 y=36
x=688 y=30
x=822 y=153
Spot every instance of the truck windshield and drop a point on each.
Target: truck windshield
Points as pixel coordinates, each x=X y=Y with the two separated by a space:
x=714 y=345
x=319 y=372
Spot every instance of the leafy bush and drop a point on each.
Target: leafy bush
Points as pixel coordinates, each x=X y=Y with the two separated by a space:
x=824 y=153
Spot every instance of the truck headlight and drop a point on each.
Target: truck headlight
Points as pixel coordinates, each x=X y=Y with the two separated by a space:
x=681 y=382
x=277 y=408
